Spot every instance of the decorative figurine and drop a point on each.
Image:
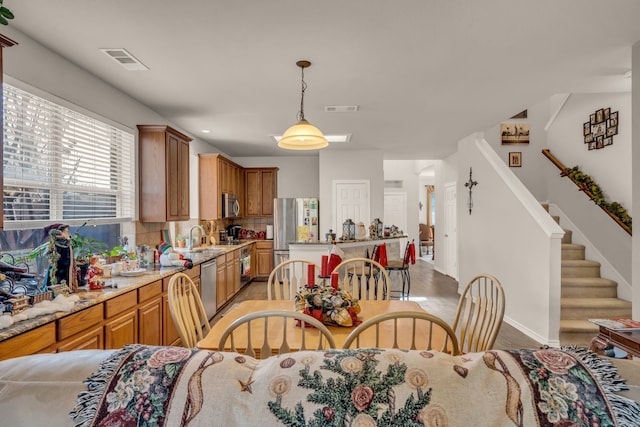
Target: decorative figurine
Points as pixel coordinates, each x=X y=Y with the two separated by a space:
x=60 y=256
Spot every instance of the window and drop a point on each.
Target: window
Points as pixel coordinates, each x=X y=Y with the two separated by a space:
x=63 y=166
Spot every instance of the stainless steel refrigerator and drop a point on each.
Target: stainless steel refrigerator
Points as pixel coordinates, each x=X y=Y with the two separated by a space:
x=294 y=220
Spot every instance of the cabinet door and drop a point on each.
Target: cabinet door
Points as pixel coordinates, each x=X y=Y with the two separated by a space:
x=221 y=281
x=150 y=322
x=269 y=191
x=253 y=198
x=177 y=178
x=208 y=187
x=169 y=331
x=39 y=340
x=121 y=330
x=91 y=339
x=231 y=276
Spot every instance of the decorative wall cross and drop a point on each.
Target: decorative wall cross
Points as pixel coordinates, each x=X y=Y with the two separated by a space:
x=470 y=184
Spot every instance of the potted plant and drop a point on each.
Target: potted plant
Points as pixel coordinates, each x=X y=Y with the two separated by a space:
x=181 y=242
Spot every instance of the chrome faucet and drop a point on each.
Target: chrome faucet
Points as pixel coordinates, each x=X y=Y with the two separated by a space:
x=190 y=244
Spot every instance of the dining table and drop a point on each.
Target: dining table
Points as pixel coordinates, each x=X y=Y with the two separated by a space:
x=369 y=309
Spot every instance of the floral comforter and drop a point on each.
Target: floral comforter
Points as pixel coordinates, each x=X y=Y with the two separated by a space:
x=172 y=386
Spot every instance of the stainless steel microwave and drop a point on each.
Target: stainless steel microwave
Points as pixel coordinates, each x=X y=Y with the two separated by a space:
x=230 y=206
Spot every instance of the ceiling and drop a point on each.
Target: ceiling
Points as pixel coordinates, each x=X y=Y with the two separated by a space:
x=424 y=73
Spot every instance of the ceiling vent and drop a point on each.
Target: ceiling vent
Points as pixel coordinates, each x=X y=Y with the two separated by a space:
x=341 y=108
x=124 y=58
x=392 y=183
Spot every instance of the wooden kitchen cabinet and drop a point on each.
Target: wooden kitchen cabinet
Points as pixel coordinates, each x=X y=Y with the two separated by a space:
x=150 y=312
x=39 y=340
x=261 y=188
x=121 y=330
x=218 y=175
x=89 y=339
x=121 y=324
x=164 y=174
x=264 y=259
x=221 y=281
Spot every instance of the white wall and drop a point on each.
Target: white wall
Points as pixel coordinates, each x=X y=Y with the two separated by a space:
x=446 y=173
x=610 y=167
x=297 y=176
x=532 y=159
x=367 y=165
x=636 y=188
x=407 y=172
x=510 y=236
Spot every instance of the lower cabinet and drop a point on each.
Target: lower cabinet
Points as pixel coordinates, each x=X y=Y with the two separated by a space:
x=150 y=322
x=264 y=259
x=91 y=339
x=221 y=280
x=39 y=340
x=121 y=330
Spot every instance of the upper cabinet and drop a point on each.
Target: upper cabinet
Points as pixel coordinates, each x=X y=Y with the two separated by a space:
x=218 y=175
x=164 y=174
x=261 y=188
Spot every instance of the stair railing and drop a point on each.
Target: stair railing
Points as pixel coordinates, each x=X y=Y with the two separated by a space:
x=583 y=188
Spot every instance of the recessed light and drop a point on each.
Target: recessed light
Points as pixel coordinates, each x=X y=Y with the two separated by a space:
x=331 y=138
x=205 y=131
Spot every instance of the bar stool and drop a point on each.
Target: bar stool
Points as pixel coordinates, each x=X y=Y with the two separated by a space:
x=402 y=267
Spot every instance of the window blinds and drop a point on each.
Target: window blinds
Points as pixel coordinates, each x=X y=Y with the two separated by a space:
x=63 y=166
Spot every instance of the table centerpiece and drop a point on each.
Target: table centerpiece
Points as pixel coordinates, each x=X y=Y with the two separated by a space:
x=331 y=306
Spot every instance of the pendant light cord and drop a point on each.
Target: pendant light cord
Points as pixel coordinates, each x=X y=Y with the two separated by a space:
x=304 y=87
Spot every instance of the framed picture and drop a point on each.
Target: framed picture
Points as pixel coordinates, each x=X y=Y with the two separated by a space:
x=515 y=159
x=600 y=116
x=592 y=118
x=598 y=132
x=608 y=141
x=514 y=133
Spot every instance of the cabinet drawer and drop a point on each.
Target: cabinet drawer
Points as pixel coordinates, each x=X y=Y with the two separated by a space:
x=149 y=291
x=264 y=244
x=119 y=304
x=76 y=322
x=30 y=342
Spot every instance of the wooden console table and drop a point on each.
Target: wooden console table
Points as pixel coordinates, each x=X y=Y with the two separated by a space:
x=627 y=341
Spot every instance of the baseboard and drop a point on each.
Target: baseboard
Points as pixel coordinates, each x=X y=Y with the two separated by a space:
x=531 y=334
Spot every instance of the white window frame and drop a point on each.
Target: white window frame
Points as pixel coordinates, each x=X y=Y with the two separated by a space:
x=120 y=173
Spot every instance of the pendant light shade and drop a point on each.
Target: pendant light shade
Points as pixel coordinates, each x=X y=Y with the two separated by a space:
x=303 y=135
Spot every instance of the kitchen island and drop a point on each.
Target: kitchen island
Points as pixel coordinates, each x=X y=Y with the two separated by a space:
x=313 y=251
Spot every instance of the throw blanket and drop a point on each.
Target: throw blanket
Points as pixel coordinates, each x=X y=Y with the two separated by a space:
x=172 y=386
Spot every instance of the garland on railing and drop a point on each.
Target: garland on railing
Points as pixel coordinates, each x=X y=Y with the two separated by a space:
x=595 y=193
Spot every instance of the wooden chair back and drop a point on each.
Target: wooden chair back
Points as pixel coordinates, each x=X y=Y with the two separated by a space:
x=287 y=278
x=273 y=326
x=406 y=330
x=187 y=311
x=479 y=314
x=364 y=278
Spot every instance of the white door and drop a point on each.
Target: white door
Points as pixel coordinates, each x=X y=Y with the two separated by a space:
x=350 y=201
x=395 y=210
x=450 y=241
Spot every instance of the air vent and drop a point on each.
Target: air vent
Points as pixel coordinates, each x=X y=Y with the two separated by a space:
x=392 y=183
x=341 y=108
x=124 y=58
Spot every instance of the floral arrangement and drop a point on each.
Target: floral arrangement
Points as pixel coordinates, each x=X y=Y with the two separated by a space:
x=328 y=305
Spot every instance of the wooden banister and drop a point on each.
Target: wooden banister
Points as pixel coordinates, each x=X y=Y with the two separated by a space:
x=564 y=172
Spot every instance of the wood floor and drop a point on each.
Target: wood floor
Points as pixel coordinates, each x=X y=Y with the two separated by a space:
x=436 y=293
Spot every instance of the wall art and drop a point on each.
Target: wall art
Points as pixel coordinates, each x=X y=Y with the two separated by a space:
x=514 y=133
x=515 y=159
x=599 y=130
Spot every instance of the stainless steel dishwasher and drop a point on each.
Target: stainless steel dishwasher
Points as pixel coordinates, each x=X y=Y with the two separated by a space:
x=208 y=285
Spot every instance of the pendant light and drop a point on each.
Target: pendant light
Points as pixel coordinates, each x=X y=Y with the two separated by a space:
x=303 y=135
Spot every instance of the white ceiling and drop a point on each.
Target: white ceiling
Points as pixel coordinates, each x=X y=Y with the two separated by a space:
x=425 y=73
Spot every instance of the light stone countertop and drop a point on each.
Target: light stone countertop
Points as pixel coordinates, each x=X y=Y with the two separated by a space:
x=124 y=285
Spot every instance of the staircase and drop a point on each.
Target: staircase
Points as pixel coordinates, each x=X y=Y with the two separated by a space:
x=585 y=295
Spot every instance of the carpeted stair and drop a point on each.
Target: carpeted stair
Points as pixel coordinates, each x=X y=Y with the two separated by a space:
x=585 y=295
